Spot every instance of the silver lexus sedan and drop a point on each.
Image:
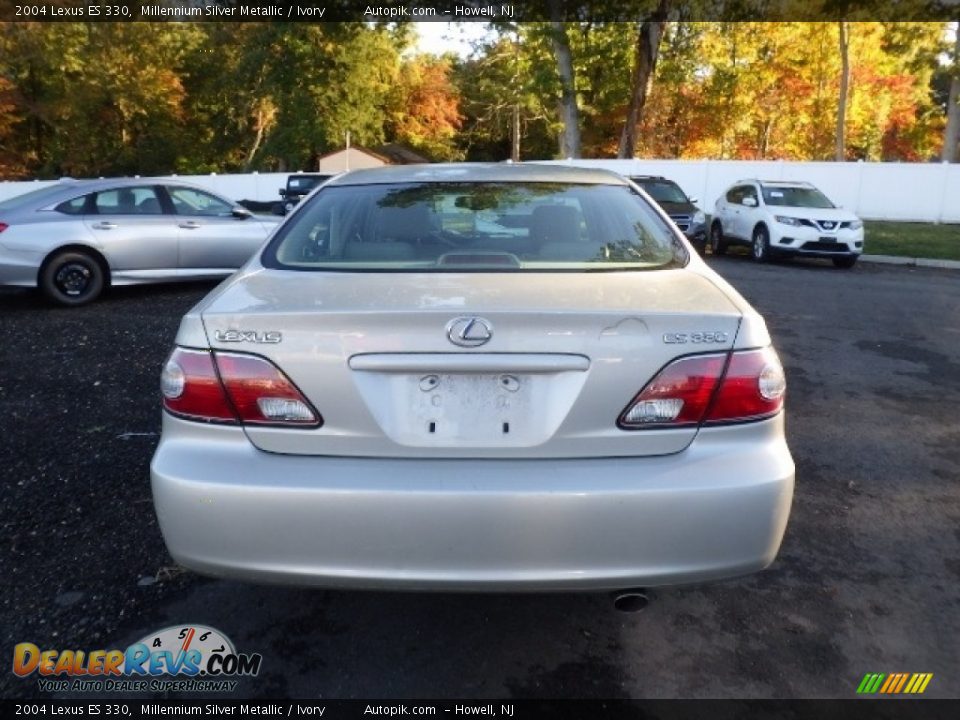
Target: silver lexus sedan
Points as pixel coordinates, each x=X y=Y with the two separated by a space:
x=474 y=377
x=76 y=237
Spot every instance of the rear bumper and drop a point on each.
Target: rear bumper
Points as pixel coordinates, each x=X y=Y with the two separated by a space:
x=716 y=510
x=19 y=267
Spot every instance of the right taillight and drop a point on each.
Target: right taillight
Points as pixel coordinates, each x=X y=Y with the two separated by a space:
x=232 y=388
x=719 y=388
x=752 y=388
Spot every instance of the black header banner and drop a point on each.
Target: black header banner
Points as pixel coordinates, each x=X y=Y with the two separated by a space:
x=472 y=10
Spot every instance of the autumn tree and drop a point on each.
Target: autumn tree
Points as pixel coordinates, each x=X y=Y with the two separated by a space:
x=770 y=90
x=11 y=164
x=97 y=99
x=425 y=111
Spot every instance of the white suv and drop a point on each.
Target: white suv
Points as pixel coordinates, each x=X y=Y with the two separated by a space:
x=785 y=218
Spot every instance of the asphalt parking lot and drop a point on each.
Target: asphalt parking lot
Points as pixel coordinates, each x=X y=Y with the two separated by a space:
x=868 y=579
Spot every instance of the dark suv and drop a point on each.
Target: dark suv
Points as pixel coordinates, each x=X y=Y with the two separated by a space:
x=681 y=209
x=298 y=187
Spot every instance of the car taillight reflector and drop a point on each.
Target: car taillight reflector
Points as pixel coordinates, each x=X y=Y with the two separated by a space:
x=261 y=393
x=191 y=388
x=752 y=388
x=678 y=395
x=232 y=388
x=720 y=388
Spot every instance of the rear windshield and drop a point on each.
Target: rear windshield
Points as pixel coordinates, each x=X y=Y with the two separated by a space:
x=304 y=183
x=513 y=226
x=795 y=197
x=17 y=201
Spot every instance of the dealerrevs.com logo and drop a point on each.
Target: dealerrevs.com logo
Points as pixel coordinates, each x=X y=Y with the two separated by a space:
x=187 y=658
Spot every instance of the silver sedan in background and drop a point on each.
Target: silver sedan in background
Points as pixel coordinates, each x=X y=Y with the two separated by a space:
x=76 y=237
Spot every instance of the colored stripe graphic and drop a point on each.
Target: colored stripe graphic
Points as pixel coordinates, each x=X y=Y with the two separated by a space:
x=894 y=683
x=870 y=683
x=903 y=680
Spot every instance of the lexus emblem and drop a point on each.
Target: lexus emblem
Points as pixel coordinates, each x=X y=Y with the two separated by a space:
x=469 y=331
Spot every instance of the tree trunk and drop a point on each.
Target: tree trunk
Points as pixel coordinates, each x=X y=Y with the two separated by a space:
x=729 y=141
x=515 y=134
x=840 y=149
x=645 y=62
x=515 y=118
x=951 y=134
x=569 y=110
x=258 y=138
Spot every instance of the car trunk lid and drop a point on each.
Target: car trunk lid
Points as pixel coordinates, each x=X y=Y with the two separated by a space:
x=566 y=353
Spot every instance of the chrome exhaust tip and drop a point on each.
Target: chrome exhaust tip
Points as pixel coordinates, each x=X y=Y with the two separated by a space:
x=630 y=601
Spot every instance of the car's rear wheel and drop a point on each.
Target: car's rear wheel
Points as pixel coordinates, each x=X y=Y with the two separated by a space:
x=845 y=262
x=718 y=244
x=760 y=249
x=72 y=278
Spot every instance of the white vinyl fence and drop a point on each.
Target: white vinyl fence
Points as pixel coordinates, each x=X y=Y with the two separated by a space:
x=909 y=192
x=912 y=192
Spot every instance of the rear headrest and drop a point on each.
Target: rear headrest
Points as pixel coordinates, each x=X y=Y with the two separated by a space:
x=555 y=223
x=149 y=205
x=405 y=223
x=126 y=200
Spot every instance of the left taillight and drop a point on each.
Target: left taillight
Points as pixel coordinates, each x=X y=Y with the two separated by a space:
x=3 y=226
x=192 y=389
x=232 y=388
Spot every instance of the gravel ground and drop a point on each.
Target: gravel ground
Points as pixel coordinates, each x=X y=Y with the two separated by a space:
x=78 y=397
x=867 y=580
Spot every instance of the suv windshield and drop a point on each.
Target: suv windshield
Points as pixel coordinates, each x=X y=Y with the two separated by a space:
x=663 y=191
x=494 y=226
x=786 y=196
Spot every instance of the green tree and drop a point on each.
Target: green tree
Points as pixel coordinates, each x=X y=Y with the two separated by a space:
x=507 y=92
